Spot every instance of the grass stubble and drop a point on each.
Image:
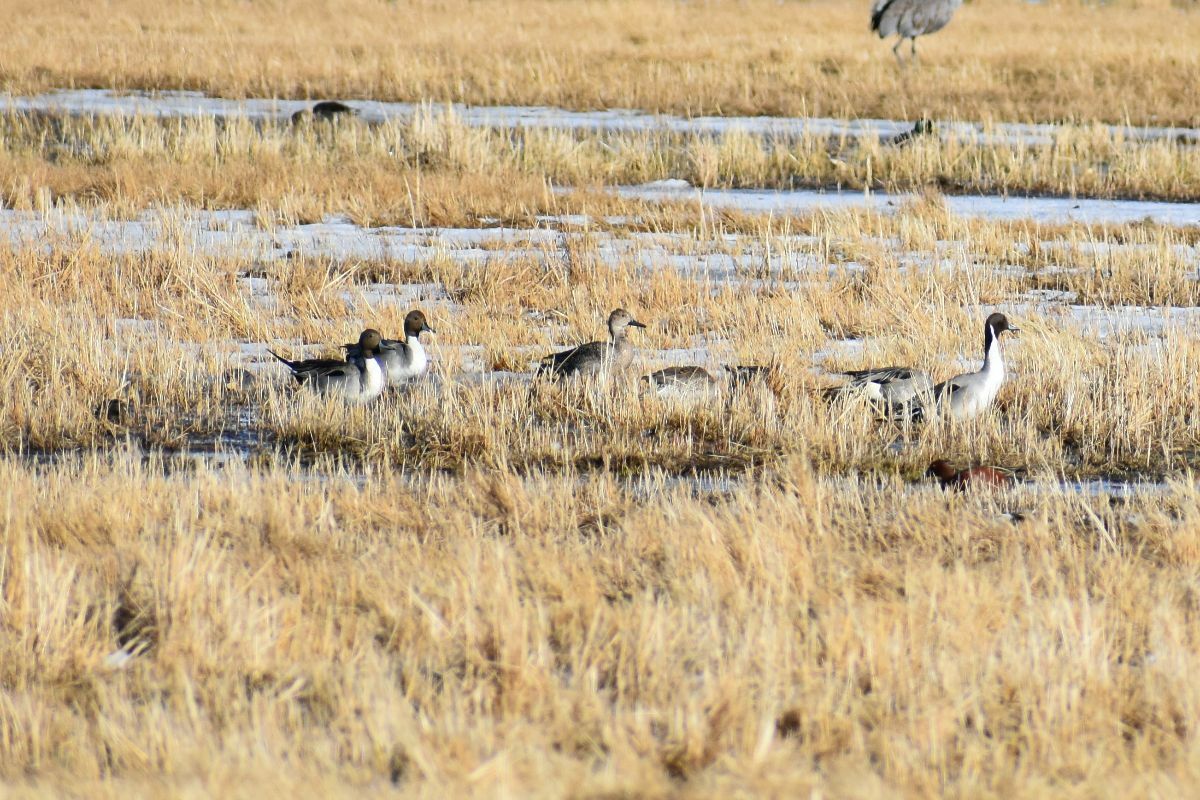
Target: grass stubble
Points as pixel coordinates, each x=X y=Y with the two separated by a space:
x=1122 y=61
x=477 y=588
x=433 y=169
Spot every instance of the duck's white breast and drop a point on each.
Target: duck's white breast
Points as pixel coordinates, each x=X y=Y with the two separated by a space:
x=374 y=383
x=418 y=361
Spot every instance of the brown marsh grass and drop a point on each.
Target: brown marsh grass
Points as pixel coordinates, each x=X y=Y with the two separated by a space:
x=478 y=588
x=557 y=635
x=435 y=170
x=998 y=60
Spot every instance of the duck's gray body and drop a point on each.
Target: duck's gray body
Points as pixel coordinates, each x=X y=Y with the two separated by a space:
x=909 y=19
x=968 y=395
x=684 y=382
x=596 y=359
x=325 y=110
x=891 y=386
x=404 y=360
x=691 y=381
x=359 y=379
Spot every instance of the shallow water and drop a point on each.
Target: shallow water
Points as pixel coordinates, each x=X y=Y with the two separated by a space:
x=743 y=261
x=194 y=104
x=1048 y=210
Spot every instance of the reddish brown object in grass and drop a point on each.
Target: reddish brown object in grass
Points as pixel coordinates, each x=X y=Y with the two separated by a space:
x=979 y=477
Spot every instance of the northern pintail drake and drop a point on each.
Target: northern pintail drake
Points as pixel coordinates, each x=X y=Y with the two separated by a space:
x=890 y=386
x=966 y=396
x=359 y=379
x=972 y=477
x=405 y=358
x=596 y=358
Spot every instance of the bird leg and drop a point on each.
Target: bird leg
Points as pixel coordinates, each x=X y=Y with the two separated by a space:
x=896 y=51
x=914 y=48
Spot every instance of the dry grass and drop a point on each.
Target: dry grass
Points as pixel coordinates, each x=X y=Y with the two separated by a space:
x=434 y=170
x=481 y=587
x=1001 y=59
x=1077 y=406
x=553 y=636
x=472 y=588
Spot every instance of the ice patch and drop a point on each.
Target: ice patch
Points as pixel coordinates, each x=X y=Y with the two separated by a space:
x=1049 y=210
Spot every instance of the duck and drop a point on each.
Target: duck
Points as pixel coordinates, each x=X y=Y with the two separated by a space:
x=405 y=358
x=923 y=127
x=972 y=477
x=696 y=380
x=684 y=382
x=890 y=386
x=325 y=110
x=595 y=359
x=359 y=379
x=966 y=396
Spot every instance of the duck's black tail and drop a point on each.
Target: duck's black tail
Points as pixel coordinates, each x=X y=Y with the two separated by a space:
x=282 y=360
x=296 y=373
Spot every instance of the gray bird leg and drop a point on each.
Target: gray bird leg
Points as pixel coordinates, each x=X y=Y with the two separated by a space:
x=914 y=48
x=896 y=51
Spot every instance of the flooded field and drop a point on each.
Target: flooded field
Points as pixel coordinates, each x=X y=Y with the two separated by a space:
x=464 y=558
x=173 y=104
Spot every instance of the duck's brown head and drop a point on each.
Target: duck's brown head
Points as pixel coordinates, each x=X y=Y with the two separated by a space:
x=368 y=342
x=415 y=324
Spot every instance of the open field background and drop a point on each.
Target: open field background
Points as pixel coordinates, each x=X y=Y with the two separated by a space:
x=480 y=585
x=999 y=59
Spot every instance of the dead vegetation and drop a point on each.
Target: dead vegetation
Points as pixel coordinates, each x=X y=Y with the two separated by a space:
x=565 y=634
x=1006 y=60
x=478 y=586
